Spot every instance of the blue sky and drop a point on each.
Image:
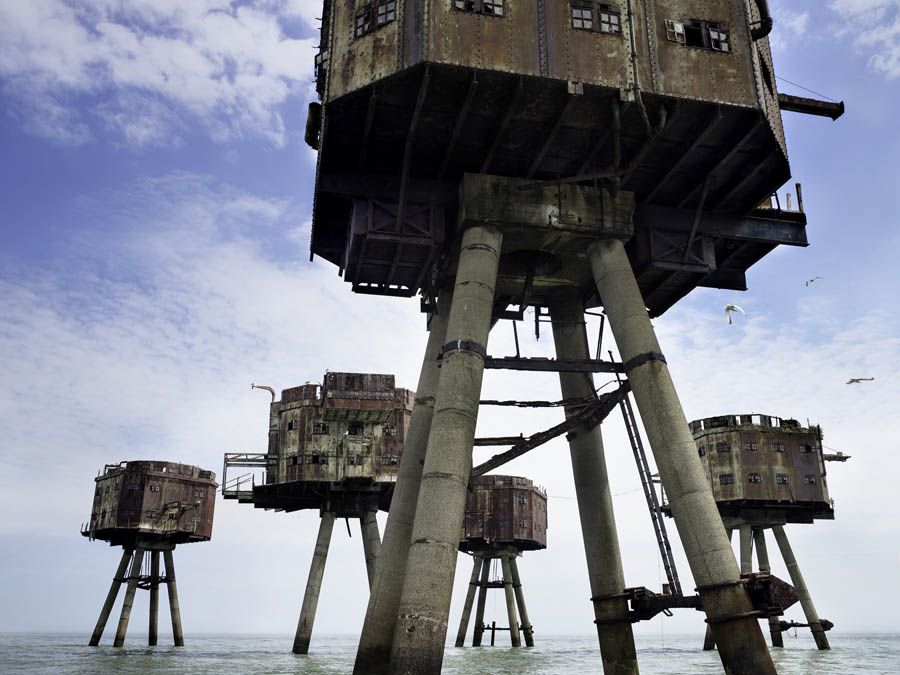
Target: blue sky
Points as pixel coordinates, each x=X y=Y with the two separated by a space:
x=156 y=194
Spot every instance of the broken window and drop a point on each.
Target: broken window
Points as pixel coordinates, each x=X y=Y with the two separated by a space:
x=726 y=478
x=390 y=460
x=488 y=7
x=291 y=425
x=701 y=451
x=389 y=430
x=806 y=448
x=320 y=428
x=317 y=459
x=675 y=32
x=751 y=446
x=723 y=447
x=154 y=488
x=809 y=480
x=363 y=21
x=385 y=12
x=719 y=40
x=354 y=460
x=355 y=428
x=712 y=35
x=781 y=479
x=778 y=447
x=754 y=478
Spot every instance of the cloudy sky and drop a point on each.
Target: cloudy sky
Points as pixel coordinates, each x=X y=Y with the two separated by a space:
x=154 y=229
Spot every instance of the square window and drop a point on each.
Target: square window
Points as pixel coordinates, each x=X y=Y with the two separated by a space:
x=726 y=479
x=385 y=12
x=363 y=21
x=723 y=447
x=805 y=448
x=754 y=478
x=701 y=451
x=675 y=32
x=493 y=7
x=719 y=41
x=778 y=447
x=582 y=17
x=751 y=446
x=320 y=428
x=809 y=480
x=781 y=479
x=610 y=21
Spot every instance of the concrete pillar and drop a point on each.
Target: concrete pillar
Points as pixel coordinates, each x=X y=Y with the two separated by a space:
x=128 y=603
x=110 y=598
x=746 y=549
x=152 y=636
x=368 y=525
x=762 y=555
x=727 y=604
x=377 y=634
x=595 y=507
x=709 y=642
x=470 y=600
x=313 y=585
x=482 y=599
x=511 y=615
x=527 y=630
x=174 y=607
x=809 y=609
x=425 y=603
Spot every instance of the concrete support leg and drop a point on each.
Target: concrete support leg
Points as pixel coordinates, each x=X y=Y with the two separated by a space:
x=482 y=600
x=746 y=549
x=762 y=555
x=425 y=603
x=595 y=507
x=111 y=598
x=527 y=630
x=313 y=585
x=727 y=604
x=511 y=615
x=128 y=603
x=174 y=607
x=809 y=609
x=377 y=634
x=470 y=600
x=152 y=635
x=709 y=642
x=368 y=524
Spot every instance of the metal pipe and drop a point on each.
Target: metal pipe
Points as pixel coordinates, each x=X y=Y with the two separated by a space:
x=765 y=21
x=595 y=508
x=709 y=642
x=111 y=597
x=746 y=549
x=482 y=600
x=470 y=599
x=727 y=604
x=762 y=555
x=508 y=591
x=527 y=629
x=153 y=637
x=809 y=609
x=128 y=602
x=174 y=607
x=427 y=588
x=377 y=635
x=313 y=585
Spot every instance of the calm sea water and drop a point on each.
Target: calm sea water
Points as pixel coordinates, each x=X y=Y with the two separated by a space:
x=270 y=654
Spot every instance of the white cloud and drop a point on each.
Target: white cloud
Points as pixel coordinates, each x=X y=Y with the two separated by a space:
x=874 y=27
x=142 y=67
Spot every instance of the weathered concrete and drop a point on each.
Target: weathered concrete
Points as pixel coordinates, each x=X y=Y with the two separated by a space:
x=377 y=635
x=809 y=609
x=595 y=507
x=128 y=602
x=470 y=600
x=727 y=604
x=110 y=598
x=313 y=585
x=368 y=525
x=513 y=619
x=174 y=607
x=527 y=629
x=762 y=555
x=152 y=636
x=746 y=533
x=709 y=642
x=482 y=600
x=425 y=603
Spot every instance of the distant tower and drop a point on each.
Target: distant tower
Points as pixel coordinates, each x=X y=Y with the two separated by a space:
x=149 y=507
x=766 y=472
x=505 y=516
x=335 y=448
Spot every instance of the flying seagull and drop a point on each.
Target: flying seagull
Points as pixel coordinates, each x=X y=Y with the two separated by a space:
x=731 y=309
x=857 y=380
x=813 y=280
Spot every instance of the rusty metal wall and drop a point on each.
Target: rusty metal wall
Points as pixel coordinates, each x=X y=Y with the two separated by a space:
x=503 y=511
x=158 y=499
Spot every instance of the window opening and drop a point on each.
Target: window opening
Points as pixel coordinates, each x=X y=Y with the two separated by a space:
x=723 y=447
x=781 y=479
x=726 y=478
x=154 y=488
x=754 y=478
x=711 y=35
x=385 y=12
x=320 y=428
x=719 y=40
x=355 y=428
x=610 y=20
x=778 y=447
x=582 y=17
x=487 y=7
x=701 y=451
x=805 y=448
x=751 y=446
x=363 y=21
x=809 y=480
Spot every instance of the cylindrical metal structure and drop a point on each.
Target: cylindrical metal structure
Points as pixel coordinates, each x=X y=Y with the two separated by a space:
x=727 y=604
x=809 y=609
x=709 y=642
x=377 y=635
x=313 y=585
x=425 y=603
x=174 y=607
x=152 y=636
x=470 y=600
x=482 y=600
x=595 y=508
x=128 y=602
x=511 y=615
x=368 y=525
x=762 y=555
x=527 y=630
x=111 y=597
x=746 y=533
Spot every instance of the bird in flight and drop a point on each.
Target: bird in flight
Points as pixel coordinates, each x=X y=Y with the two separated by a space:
x=731 y=309
x=857 y=380
x=813 y=280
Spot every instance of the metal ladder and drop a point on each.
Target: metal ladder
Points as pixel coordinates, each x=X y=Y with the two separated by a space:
x=656 y=514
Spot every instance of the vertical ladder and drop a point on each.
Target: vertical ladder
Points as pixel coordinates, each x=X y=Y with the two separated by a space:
x=656 y=514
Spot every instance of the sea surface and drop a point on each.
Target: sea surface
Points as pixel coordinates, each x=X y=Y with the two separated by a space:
x=59 y=654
